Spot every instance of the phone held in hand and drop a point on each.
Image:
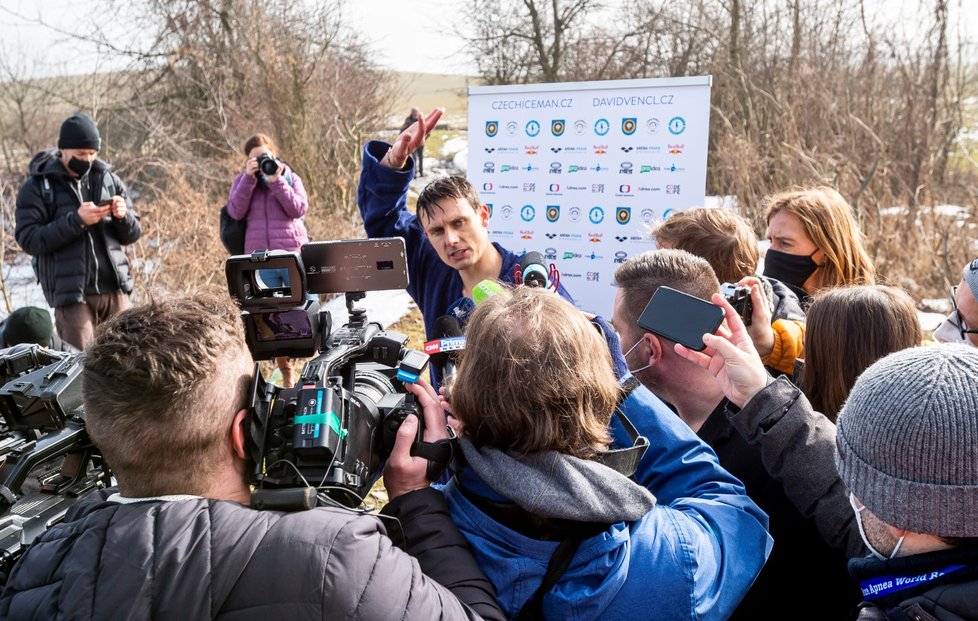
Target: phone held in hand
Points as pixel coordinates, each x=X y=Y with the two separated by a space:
x=680 y=317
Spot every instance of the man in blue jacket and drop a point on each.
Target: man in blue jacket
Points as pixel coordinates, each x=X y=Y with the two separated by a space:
x=448 y=245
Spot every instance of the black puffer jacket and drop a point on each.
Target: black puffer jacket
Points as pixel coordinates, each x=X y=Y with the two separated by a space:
x=70 y=256
x=206 y=559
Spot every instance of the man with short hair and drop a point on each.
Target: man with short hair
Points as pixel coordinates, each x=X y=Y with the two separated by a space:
x=165 y=388
x=74 y=215
x=904 y=483
x=701 y=404
x=448 y=245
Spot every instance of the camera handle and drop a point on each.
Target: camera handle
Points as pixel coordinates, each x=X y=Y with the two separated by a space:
x=358 y=316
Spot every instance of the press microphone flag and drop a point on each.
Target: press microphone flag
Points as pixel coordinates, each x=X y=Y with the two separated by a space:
x=449 y=340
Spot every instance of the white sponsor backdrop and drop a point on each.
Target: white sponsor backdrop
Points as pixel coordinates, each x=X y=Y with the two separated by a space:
x=579 y=170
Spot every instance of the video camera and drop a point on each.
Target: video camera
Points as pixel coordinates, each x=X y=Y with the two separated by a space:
x=48 y=462
x=325 y=440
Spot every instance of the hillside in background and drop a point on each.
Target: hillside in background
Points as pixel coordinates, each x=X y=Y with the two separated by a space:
x=430 y=90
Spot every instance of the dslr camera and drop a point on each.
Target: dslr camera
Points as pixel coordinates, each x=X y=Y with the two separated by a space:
x=739 y=297
x=267 y=164
x=325 y=440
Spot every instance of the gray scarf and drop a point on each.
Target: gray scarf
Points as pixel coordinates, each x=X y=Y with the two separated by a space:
x=554 y=485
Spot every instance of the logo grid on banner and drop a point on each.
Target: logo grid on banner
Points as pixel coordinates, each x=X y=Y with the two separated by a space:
x=579 y=171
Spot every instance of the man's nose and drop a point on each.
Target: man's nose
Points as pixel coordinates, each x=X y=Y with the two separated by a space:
x=451 y=238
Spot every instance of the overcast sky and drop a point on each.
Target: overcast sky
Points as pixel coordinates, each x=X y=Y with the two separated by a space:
x=407 y=35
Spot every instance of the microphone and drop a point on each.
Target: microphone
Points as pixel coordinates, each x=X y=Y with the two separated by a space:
x=485 y=290
x=460 y=309
x=448 y=340
x=533 y=271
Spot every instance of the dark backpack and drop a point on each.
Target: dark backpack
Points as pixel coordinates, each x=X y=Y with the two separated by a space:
x=232 y=232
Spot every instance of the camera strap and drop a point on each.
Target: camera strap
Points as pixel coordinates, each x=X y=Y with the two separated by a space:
x=440 y=453
x=625 y=461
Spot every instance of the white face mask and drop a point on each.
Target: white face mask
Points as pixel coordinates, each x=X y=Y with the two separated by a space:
x=948 y=332
x=862 y=532
x=626 y=358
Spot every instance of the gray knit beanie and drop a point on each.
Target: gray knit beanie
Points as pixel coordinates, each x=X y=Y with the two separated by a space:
x=907 y=440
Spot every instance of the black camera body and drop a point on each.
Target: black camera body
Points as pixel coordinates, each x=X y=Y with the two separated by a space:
x=267 y=164
x=47 y=462
x=334 y=430
x=739 y=297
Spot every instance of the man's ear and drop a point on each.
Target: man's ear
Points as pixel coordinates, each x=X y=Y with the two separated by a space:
x=484 y=215
x=239 y=431
x=655 y=348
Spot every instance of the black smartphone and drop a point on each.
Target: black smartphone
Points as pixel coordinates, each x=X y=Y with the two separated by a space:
x=680 y=317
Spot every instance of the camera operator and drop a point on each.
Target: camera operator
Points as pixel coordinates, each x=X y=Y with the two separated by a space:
x=269 y=196
x=165 y=388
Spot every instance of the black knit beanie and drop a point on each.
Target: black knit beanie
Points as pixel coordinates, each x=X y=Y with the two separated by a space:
x=79 y=132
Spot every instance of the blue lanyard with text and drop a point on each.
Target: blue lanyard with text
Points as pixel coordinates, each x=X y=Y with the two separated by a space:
x=874 y=588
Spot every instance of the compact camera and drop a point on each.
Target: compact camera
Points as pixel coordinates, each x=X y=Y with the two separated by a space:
x=267 y=164
x=739 y=297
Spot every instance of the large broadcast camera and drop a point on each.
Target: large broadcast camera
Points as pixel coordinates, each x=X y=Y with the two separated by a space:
x=325 y=440
x=47 y=462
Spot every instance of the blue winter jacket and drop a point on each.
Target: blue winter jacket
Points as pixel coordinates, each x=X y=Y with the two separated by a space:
x=434 y=286
x=693 y=556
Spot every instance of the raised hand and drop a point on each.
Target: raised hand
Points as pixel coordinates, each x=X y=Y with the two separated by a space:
x=411 y=138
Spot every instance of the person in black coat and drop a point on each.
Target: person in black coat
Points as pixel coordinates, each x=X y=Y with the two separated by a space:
x=74 y=216
x=166 y=387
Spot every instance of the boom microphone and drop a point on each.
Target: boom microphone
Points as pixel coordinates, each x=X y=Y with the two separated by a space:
x=448 y=340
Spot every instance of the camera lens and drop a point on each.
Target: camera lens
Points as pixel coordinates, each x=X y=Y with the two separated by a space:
x=267 y=164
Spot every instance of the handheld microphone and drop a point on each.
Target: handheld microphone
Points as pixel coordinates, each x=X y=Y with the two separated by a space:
x=448 y=340
x=460 y=309
x=485 y=290
x=533 y=271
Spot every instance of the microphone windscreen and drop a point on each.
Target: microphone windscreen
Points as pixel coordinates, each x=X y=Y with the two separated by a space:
x=485 y=290
x=532 y=258
x=445 y=327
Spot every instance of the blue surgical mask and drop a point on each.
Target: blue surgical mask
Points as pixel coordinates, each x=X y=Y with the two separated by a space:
x=862 y=533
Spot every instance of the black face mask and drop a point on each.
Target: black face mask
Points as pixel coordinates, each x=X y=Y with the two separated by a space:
x=79 y=167
x=791 y=269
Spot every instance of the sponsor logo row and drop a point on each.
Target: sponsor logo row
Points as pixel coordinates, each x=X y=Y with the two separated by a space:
x=553 y=213
x=672 y=148
x=558 y=168
x=556 y=189
x=628 y=126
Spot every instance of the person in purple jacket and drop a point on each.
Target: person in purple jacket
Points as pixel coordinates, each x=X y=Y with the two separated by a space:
x=270 y=197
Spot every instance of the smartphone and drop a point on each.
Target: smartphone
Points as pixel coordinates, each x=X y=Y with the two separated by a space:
x=680 y=317
x=107 y=203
